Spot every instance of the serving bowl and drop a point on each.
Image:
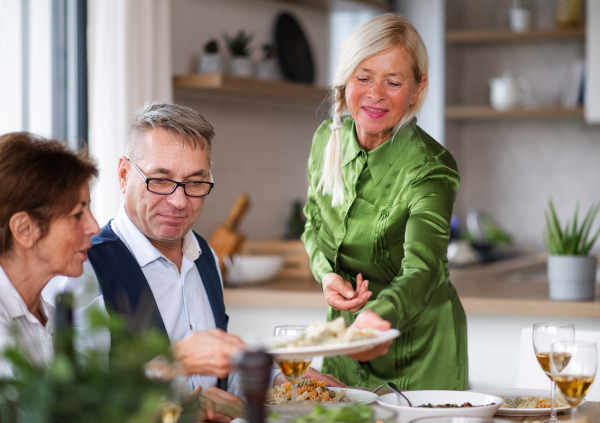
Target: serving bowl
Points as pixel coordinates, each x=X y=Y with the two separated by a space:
x=251 y=269
x=484 y=405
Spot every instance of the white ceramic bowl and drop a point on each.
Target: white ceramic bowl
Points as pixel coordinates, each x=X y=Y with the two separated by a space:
x=251 y=269
x=487 y=404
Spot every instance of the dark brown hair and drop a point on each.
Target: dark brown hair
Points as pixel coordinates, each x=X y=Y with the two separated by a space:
x=41 y=177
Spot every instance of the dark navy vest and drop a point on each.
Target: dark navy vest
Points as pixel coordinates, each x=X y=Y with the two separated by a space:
x=126 y=290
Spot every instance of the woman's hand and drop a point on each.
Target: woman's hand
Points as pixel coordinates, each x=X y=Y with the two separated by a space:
x=341 y=296
x=368 y=319
x=208 y=352
x=311 y=373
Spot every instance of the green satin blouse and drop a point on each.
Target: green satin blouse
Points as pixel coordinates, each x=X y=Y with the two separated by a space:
x=393 y=227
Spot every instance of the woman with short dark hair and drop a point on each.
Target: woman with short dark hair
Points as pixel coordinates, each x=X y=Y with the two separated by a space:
x=45 y=230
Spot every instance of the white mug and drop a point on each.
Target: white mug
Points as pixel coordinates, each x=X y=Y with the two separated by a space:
x=507 y=91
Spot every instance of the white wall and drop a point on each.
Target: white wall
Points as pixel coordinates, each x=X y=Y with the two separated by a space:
x=428 y=16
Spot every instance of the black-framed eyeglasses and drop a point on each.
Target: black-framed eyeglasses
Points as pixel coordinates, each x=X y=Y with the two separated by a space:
x=166 y=186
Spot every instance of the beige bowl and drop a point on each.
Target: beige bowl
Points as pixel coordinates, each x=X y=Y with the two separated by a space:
x=242 y=270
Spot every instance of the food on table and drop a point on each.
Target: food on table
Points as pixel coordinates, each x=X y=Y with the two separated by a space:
x=308 y=390
x=359 y=413
x=327 y=333
x=463 y=405
x=525 y=401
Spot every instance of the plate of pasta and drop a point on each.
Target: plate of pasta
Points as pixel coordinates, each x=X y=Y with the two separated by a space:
x=526 y=402
x=311 y=390
x=328 y=339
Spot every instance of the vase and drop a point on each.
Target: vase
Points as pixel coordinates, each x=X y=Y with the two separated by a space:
x=241 y=66
x=571 y=278
x=267 y=69
x=210 y=63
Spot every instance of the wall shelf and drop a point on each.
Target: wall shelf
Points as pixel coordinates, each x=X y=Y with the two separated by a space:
x=340 y=4
x=507 y=36
x=482 y=112
x=218 y=82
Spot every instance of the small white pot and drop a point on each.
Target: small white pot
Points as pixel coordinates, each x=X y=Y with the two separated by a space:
x=572 y=278
x=267 y=69
x=241 y=66
x=211 y=63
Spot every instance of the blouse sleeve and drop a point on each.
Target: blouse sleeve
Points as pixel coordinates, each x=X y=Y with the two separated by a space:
x=432 y=195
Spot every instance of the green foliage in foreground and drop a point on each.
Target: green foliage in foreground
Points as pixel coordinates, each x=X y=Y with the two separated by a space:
x=359 y=413
x=573 y=240
x=68 y=392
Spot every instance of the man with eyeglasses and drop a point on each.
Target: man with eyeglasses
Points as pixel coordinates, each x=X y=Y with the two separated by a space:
x=149 y=261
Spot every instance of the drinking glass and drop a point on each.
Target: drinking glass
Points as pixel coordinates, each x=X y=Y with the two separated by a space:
x=544 y=334
x=295 y=368
x=573 y=366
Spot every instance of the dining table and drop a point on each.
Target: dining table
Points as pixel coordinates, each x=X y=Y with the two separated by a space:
x=589 y=410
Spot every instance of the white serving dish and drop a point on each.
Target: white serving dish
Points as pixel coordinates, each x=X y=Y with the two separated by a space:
x=405 y=414
x=243 y=270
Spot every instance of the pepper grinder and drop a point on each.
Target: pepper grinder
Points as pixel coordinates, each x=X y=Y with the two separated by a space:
x=255 y=372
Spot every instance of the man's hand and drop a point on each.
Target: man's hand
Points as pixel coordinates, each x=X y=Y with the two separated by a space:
x=368 y=319
x=341 y=296
x=225 y=406
x=208 y=352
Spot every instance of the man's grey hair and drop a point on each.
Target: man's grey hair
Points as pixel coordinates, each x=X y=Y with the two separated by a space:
x=182 y=120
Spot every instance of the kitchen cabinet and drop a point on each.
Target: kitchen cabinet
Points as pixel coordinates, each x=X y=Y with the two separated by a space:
x=489 y=39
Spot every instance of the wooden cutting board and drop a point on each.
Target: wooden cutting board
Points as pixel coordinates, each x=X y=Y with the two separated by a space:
x=226 y=240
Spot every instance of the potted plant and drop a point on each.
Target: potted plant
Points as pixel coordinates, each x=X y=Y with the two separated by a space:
x=211 y=61
x=239 y=47
x=267 y=68
x=571 y=269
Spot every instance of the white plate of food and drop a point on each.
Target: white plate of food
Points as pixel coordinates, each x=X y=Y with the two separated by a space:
x=536 y=396
x=356 y=396
x=328 y=350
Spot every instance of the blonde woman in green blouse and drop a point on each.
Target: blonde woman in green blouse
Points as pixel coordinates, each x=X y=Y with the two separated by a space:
x=380 y=200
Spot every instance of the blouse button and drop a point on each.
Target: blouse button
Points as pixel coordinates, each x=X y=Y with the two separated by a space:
x=354 y=179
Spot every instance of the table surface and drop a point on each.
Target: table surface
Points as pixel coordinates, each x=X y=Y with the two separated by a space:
x=590 y=410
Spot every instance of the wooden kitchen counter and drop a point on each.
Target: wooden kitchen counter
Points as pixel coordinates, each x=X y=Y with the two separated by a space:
x=511 y=287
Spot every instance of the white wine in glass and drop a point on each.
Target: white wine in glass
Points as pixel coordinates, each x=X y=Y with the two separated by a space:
x=544 y=334
x=575 y=378
x=293 y=369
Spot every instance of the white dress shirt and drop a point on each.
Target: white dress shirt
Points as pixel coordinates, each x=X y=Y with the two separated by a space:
x=33 y=338
x=180 y=296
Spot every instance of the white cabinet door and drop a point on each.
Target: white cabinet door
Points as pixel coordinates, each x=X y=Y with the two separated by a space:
x=592 y=53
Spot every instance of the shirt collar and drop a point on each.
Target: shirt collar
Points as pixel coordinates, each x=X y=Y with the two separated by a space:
x=14 y=305
x=382 y=158
x=141 y=247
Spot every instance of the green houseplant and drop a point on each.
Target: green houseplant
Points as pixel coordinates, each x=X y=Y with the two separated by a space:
x=571 y=269
x=86 y=389
x=239 y=47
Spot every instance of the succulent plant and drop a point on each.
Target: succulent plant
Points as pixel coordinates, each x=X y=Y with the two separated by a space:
x=211 y=47
x=268 y=51
x=573 y=240
x=239 y=45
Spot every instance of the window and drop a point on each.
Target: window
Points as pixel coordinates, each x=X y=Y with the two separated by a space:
x=43 y=70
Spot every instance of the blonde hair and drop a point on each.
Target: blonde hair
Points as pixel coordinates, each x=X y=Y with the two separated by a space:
x=380 y=33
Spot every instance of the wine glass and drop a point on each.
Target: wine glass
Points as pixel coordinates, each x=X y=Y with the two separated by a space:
x=573 y=366
x=292 y=368
x=544 y=334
